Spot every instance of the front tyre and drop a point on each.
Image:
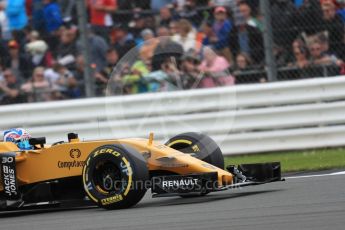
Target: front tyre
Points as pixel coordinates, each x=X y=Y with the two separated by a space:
x=200 y=146
x=114 y=176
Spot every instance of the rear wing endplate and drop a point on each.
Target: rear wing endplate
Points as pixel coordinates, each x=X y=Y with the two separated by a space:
x=8 y=175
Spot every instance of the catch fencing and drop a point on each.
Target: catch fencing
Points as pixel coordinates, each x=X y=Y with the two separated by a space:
x=242 y=119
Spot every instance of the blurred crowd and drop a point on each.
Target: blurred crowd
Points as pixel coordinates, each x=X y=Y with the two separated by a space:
x=157 y=45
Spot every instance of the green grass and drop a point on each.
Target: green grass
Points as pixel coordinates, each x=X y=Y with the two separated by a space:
x=307 y=160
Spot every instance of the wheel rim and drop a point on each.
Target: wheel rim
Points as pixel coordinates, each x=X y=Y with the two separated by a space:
x=107 y=178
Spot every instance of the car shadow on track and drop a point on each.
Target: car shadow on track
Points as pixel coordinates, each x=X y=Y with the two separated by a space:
x=144 y=204
x=203 y=199
x=18 y=213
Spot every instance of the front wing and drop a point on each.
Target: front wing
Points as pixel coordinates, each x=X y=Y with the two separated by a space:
x=244 y=175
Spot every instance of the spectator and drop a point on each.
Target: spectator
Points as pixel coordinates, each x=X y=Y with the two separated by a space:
x=332 y=23
x=150 y=22
x=222 y=28
x=16 y=14
x=52 y=74
x=4 y=27
x=98 y=50
x=283 y=13
x=157 y=5
x=166 y=78
x=324 y=42
x=28 y=8
x=33 y=36
x=165 y=16
x=190 y=71
x=307 y=18
x=215 y=68
x=189 y=11
x=186 y=35
x=67 y=48
x=156 y=63
x=150 y=44
x=138 y=25
x=66 y=85
x=320 y=58
x=172 y=27
x=10 y=88
x=341 y=12
x=134 y=5
x=301 y=56
x=133 y=82
x=67 y=7
x=298 y=3
x=39 y=53
x=124 y=41
x=245 y=38
x=79 y=73
x=103 y=76
x=209 y=35
x=129 y=8
x=38 y=18
x=4 y=53
x=115 y=84
x=282 y=55
x=52 y=16
x=246 y=13
x=37 y=88
x=100 y=16
x=243 y=63
x=18 y=62
x=166 y=49
x=231 y=5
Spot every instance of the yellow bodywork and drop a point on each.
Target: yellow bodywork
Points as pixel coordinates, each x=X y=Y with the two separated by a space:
x=67 y=160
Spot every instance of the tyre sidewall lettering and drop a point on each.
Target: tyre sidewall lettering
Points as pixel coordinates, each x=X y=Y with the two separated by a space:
x=108 y=153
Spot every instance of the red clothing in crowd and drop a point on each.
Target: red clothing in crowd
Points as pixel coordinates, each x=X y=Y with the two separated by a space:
x=97 y=15
x=28 y=6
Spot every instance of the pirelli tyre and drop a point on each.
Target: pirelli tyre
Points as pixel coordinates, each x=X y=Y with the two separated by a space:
x=114 y=176
x=199 y=145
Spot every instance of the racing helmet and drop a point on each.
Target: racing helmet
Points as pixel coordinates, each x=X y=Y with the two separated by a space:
x=18 y=136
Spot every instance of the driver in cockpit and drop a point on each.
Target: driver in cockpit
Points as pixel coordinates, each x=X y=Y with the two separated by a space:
x=18 y=136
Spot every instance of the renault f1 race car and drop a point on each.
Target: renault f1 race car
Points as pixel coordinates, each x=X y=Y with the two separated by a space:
x=115 y=174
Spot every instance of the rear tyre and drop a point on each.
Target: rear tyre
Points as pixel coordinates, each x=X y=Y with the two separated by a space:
x=114 y=176
x=199 y=145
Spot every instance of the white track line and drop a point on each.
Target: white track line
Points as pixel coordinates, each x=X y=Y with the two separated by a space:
x=317 y=175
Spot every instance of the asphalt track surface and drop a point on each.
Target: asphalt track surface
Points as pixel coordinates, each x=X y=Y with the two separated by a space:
x=307 y=202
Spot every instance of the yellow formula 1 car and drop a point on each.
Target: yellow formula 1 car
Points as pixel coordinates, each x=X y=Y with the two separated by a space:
x=116 y=173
